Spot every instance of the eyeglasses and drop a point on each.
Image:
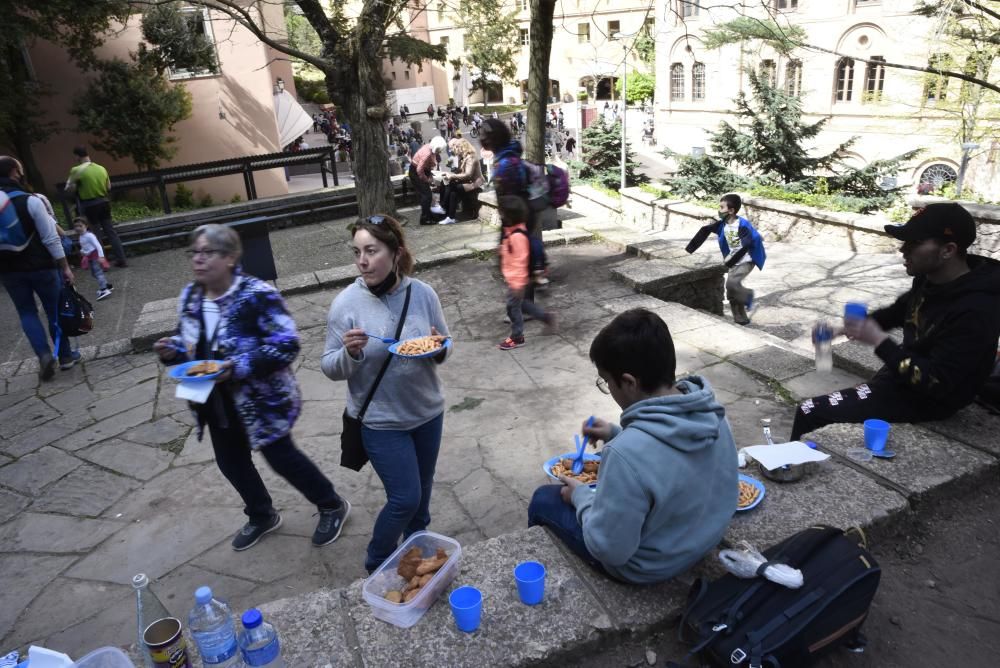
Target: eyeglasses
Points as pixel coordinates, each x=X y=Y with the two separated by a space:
x=602 y=385
x=376 y=220
x=204 y=252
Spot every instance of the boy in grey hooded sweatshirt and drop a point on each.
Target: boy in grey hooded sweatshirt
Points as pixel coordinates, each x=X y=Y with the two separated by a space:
x=668 y=484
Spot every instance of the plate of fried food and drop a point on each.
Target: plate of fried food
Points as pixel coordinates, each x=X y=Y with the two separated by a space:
x=422 y=346
x=197 y=370
x=751 y=493
x=563 y=465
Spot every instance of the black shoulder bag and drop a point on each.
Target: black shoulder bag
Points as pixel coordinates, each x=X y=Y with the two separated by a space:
x=352 y=449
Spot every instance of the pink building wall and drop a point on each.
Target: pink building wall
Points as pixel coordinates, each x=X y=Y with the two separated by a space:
x=232 y=112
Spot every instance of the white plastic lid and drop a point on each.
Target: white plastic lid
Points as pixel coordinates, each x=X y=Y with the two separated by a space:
x=203 y=595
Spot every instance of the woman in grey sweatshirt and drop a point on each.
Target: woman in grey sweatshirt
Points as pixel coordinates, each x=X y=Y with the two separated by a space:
x=402 y=425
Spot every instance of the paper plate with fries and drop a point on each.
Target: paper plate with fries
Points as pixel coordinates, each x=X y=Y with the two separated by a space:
x=422 y=346
x=751 y=493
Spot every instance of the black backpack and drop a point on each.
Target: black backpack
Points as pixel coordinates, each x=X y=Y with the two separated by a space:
x=76 y=315
x=756 y=622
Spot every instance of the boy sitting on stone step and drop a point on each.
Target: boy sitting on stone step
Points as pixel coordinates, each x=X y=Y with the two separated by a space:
x=667 y=485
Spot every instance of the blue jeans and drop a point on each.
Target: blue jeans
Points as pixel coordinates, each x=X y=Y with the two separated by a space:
x=405 y=462
x=22 y=286
x=547 y=509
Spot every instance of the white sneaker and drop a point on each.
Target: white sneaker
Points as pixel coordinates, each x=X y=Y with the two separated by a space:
x=447 y=221
x=437 y=209
x=103 y=294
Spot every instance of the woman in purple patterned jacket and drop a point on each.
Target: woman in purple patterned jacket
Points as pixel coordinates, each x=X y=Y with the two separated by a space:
x=225 y=315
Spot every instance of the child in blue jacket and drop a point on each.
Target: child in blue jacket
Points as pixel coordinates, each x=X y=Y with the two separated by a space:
x=742 y=248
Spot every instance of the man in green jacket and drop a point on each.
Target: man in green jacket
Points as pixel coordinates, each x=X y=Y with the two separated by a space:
x=90 y=183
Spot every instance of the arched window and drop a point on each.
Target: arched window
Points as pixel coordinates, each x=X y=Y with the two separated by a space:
x=677 y=82
x=874 y=79
x=938 y=174
x=769 y=72
x=845 y=79
x=697 y=81
x=793 y=78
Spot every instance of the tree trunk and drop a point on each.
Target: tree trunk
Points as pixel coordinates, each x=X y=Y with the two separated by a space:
x=359 y=89
x=538 y=77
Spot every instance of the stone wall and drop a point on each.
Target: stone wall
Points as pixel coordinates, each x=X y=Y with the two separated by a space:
x=795 y=223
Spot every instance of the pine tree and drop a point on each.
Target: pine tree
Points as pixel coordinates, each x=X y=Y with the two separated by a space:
x=602 y=152
x=770 y=136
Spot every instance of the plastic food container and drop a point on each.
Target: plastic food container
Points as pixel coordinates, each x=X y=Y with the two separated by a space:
x=105 y=657
x=386 y=579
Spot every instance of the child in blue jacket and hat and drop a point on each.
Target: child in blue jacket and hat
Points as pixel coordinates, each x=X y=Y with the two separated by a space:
x=742 y=248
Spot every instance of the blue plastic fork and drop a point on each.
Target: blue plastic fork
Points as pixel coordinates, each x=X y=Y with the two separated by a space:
x=580 y=447
x=383 y=339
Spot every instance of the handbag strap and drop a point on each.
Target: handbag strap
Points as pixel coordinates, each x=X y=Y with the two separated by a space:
x=385 y=365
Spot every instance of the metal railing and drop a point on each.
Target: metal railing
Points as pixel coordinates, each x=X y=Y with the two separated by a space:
x=245 y=165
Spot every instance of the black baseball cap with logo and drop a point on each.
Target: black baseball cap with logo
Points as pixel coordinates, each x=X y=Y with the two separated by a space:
x=945 y=221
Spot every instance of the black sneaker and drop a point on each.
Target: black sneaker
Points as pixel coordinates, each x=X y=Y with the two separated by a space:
x=46 y=367
x=331 y=523
x=251 y=533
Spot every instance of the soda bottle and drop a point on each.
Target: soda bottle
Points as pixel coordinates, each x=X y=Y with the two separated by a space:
x=259 y=642
x=148 y=610
x=211 y=624
x=823 y=343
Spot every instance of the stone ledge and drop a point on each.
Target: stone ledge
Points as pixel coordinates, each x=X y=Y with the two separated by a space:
x=928 y=466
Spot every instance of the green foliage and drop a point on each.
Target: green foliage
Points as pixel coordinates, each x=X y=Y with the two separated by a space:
x=770 y=137
x=312 y=90
x=126 y=209
x=131 y=110
x=828 y=202
x=641 y=87
x=205 y=201
x=177 y=39
x=782 y=38
x=702 y=177
x=491 y=42
x=183 y=197
x=79 y=27
x=645 y=46
x=413 y=51
x=236 y=199
x=601 y=150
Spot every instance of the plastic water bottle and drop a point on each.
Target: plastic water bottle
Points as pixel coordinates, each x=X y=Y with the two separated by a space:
x=148 y=610
x=211 y=624
x=823 y=342
x=259 y=642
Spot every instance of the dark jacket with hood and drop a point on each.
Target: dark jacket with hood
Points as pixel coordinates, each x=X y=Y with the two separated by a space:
x=950 y=336
x=668 y=486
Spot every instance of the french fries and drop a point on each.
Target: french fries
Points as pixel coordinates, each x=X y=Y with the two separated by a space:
x=421 y=345
x=565 y=467
x=748 y=494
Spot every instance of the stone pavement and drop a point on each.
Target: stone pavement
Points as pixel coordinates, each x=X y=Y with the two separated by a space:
x=101 y=476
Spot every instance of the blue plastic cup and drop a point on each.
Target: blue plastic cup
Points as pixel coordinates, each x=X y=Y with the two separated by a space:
x=467 y=608
x=855 y=311
x=530 y=577
x=876 y=434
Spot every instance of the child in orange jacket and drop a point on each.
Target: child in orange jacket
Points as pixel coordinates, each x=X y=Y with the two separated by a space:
x=515 y=259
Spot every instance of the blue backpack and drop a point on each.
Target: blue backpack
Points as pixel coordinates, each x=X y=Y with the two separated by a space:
x=13 y=236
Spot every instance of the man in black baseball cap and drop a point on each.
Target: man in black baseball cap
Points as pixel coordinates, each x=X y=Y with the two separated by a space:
x=950 y=318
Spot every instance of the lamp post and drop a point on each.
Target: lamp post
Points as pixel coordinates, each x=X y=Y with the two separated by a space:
x=279 y=86
x=622 y=36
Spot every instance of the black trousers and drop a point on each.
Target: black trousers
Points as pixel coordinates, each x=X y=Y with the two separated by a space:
x=233 y=456
x=424 y=191
x=98 y=215
x=880 y=398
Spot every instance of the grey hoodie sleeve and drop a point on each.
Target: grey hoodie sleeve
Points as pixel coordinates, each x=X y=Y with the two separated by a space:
x=46 y=226
x=336 y=362
x=612 y=532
